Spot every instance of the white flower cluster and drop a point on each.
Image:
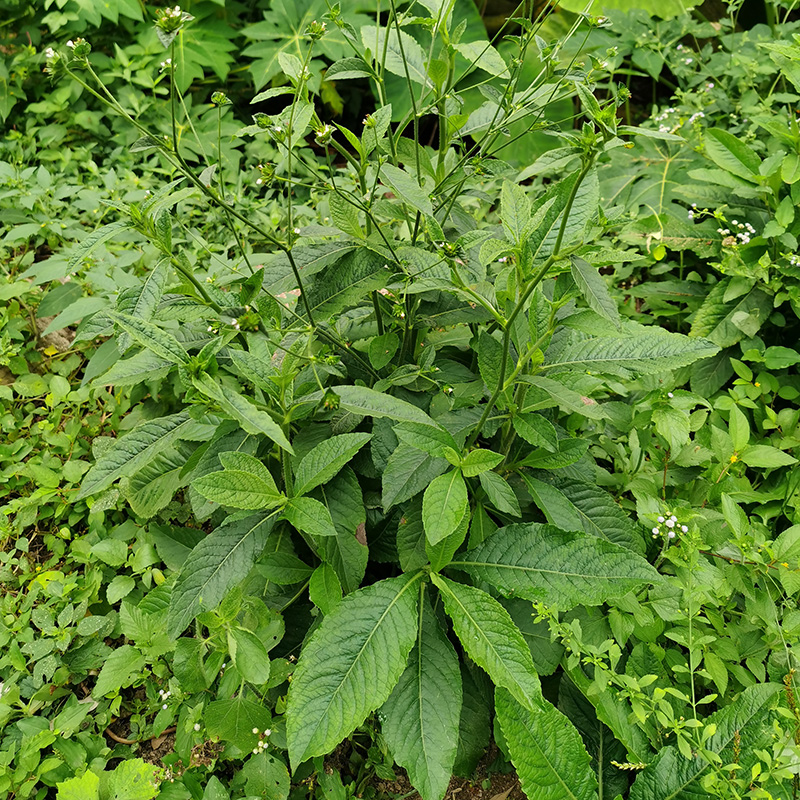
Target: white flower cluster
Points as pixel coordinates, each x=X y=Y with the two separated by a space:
x=173 y=12
x=670 y=527
x=696 y=116
x=794 y=260
x=262 y=740
x=743 y=234
x=164 y=696
x=691 y=212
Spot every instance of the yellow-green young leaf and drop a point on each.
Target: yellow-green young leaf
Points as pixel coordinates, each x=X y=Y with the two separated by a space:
x=670 y=776
x=252 y=419
x=350 y=665
x=163 y=344
x=491 y=639
x=309 y=516
x=325 y=589
x=478 y=461
x=238 y=489
x=739 y=429
x=444 y=505
x=540 y=562
x=220 y=561
x=85 y=787
x=441 y=553
x=515 y=211
x=133 y=450
x=594 y=290
x=322 y=462
x=547 y=751
x=421 y=716
x=249 y=655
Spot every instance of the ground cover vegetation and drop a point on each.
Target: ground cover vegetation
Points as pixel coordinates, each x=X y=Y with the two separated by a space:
x=388 y=384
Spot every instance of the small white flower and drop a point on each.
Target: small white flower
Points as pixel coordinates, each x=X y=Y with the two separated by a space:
x=267 y=732
x=685 y=528
x=297 y=231
x=674 y=518
x=656 y=530
x=709 y=86
x=661 y=519
x=688 y=60
x=71 y=44
x=49 y=53
x=197 y=726
x=670 y=523
x=164 y=706
x=671 y=534
x=670 y=395
x=255 y=731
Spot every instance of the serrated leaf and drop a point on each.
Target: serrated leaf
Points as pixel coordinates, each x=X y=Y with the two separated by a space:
x=547 y=751
x=515 y=211
x=163 y=344
x=370 y=403
x=733 y=155
x=406 y=187
x=408 y=472
x=350 y=665
x=234 y=720
x=443 y=506
x=309 y=516
x=421 y=716
x=249 y=655
x=285 y=569
x=491 y=639
x=326 y=459
x=537 y=561
x=145 y=299
x=130 y=452
x=401 y=61
x=594 y=290
x=252 y=419
x=536 y=430
x=123 y=662
x=500 y=494
x=427 y=438
x=324 y=588
x=639 y=351
x=479 y=461
x=93 y=240
x=214 y=566
x=238 y=489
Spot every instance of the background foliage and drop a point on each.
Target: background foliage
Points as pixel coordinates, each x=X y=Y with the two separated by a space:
x=444 y=394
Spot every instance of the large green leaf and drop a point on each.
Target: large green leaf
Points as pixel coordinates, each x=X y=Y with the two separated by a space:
x=404 y=55
x=491 y=639
x=670 y=776
x=421 y=716
x=408 y=472
x=594 y=290
x=350 y=665
x=217 y=564
x=540 y=562
x=639 y=350
x=238 y=489
x=135 y=449
x=574 y=506
x=406 y=187
x=726 y=323
x=326 y=459
x=546 y=750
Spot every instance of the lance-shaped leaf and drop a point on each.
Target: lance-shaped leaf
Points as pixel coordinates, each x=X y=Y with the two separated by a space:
x=321 y=463
x=594 y=290
x=163 y=344
x=218 y=563
x=133 y=450
x=491 y=639
x=238 y=489
x=252 y=419
x=546 y=750
x=405 y=186
x=421 y=716
x=443 y=505
x=368 y=402
x=93 y=240
x=350 y=665
x=143 y=299
x=540 y=562
x=640 y=351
